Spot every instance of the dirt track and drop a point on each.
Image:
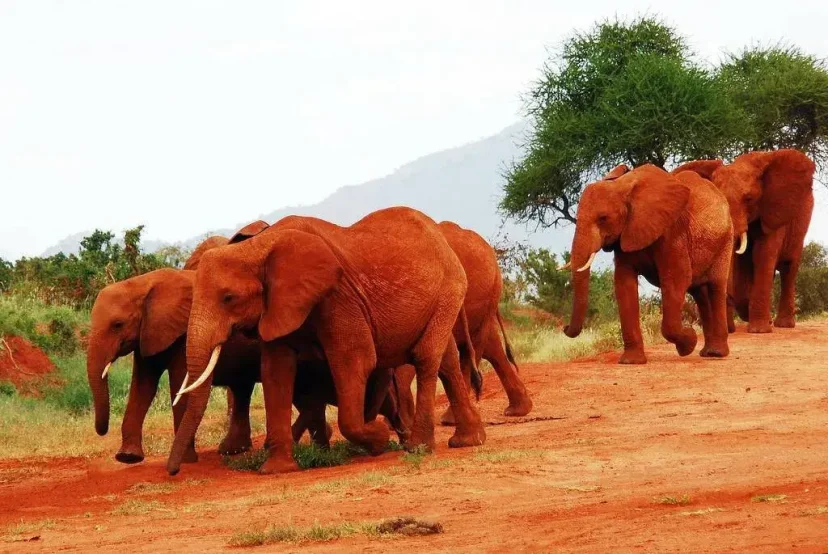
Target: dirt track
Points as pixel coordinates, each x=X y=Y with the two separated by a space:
x=715 y=435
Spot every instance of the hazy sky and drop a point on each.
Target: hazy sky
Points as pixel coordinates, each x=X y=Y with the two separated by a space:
x=187 y=116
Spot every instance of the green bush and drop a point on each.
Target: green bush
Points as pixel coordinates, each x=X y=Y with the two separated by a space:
x=7 y=389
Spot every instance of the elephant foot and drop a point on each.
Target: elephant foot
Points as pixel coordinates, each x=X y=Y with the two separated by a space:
x=278 y=464
x=633 y=357
x=447 y=418
x=519 y=408
x=190 y=456
x=420 y=441
x=322 y=438
x=759 y=327
x=130 y=455
x=710 y=351
x=686 y=344
x=785 y=322
x=473 y=437
x=235 y=444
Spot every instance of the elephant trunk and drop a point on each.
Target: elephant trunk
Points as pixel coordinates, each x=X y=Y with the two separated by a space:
x=200 y=347
x=97 y=359
x=583 y=253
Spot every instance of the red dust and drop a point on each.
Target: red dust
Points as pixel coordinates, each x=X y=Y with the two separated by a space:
x=22 y=362
x=679 y=455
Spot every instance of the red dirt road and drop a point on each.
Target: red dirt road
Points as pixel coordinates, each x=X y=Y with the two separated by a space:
x=741 y=444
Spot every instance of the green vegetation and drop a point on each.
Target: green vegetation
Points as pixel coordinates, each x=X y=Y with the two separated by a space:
x=632 y=92
x=307 y=456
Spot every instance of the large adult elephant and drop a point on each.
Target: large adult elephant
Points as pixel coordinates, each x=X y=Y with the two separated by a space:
x=383 y=292
x=485 y=324
x=147 y=316
x=676 y=231
x=771 y=200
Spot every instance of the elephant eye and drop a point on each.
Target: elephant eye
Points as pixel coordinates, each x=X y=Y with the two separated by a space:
x=227 y=298
x=603 y=218
x=117 y=324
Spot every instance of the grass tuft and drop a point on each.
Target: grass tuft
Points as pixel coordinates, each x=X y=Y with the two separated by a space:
x=773 y=498
x=818 y=511
x=20 y=531
x=151 y=488
x=139 y=507
x=403 y=526
x=682 y=500
x=414 y=459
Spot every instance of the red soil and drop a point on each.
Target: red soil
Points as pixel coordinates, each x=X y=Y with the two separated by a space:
x=21 y=361
x=590 y=470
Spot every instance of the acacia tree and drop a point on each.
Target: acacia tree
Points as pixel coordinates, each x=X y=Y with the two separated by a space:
x=784 y=94
x=620 y=93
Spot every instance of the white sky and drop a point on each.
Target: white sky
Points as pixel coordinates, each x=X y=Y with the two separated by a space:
x=187 y=116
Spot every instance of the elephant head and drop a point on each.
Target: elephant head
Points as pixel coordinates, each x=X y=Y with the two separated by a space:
x=769 y=187
x=269 y=283
x=145 y=314
x=627 y=210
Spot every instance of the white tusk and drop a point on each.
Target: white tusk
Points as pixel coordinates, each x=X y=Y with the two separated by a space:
x=106 y=370
x=588 y=264
x=210 y=367
x=181 y=390
x=567 y=265
x=742 y=244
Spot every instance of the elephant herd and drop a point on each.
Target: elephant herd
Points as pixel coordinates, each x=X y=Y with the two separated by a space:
x=678 y=230
x=349 y=316
x=319 y=314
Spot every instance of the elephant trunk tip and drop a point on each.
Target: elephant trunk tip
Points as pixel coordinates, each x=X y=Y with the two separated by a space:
x=102 y=428
x=572 y=332
x=173 y=469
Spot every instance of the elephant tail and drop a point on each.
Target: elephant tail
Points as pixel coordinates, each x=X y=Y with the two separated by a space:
x=476 y=375
x=509 y=354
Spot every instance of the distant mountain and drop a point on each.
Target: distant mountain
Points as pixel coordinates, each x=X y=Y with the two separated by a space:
x=462 y=184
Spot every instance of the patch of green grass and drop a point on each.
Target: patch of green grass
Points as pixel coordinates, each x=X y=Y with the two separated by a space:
x=139 y=507
x=7 y=389
x=414 y=459
x=324 y=533
x=668 y=500
x=773 y=498
x=309 y=455
x=51 y=327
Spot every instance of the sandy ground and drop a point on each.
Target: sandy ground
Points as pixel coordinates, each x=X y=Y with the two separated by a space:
x=680 y=455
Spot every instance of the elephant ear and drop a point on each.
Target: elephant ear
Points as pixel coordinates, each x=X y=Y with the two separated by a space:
x=249 y=230
x=704 y=168
x=300 y=270
x=787 y=181
x=655 y=203
x=166 y=310
x=617 y=172
x=207 y=244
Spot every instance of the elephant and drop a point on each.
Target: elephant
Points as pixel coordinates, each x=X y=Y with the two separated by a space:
x=147 y=316
x=380 y=293
x=485 y=324
x=771 y=199
x=676 y=231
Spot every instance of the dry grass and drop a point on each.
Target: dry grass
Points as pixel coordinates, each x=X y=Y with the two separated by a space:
x=668 y=500
x=772 y=498
x=26 y=530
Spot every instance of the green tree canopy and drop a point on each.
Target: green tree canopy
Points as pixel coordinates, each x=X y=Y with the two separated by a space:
x=784 y=94
x=620 y=93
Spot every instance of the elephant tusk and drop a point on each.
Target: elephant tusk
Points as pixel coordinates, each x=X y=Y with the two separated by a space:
x=181 y=390
x=106 y=370
x=210 y=367
x=742 y=244
x=588 y=264
x=567 y=265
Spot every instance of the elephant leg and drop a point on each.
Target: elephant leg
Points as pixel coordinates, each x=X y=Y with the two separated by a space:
x=238 y=439
x=626 y=293
x=469 y=430
x=466 y=366
x=673 y=293
x=765 y=255
x=701 y=295
x=141 y=394
x=715 y=341
x=312 y=417
x=730 y=315
x=278 y=376
x=404 y=401
x=350 y=372
x=785 y=313
x=177 y=371
x=520 y=403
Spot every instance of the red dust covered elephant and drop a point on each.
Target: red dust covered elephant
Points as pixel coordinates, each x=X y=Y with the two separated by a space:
x=771 y=201
x=675 y=230
x=383 y=292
